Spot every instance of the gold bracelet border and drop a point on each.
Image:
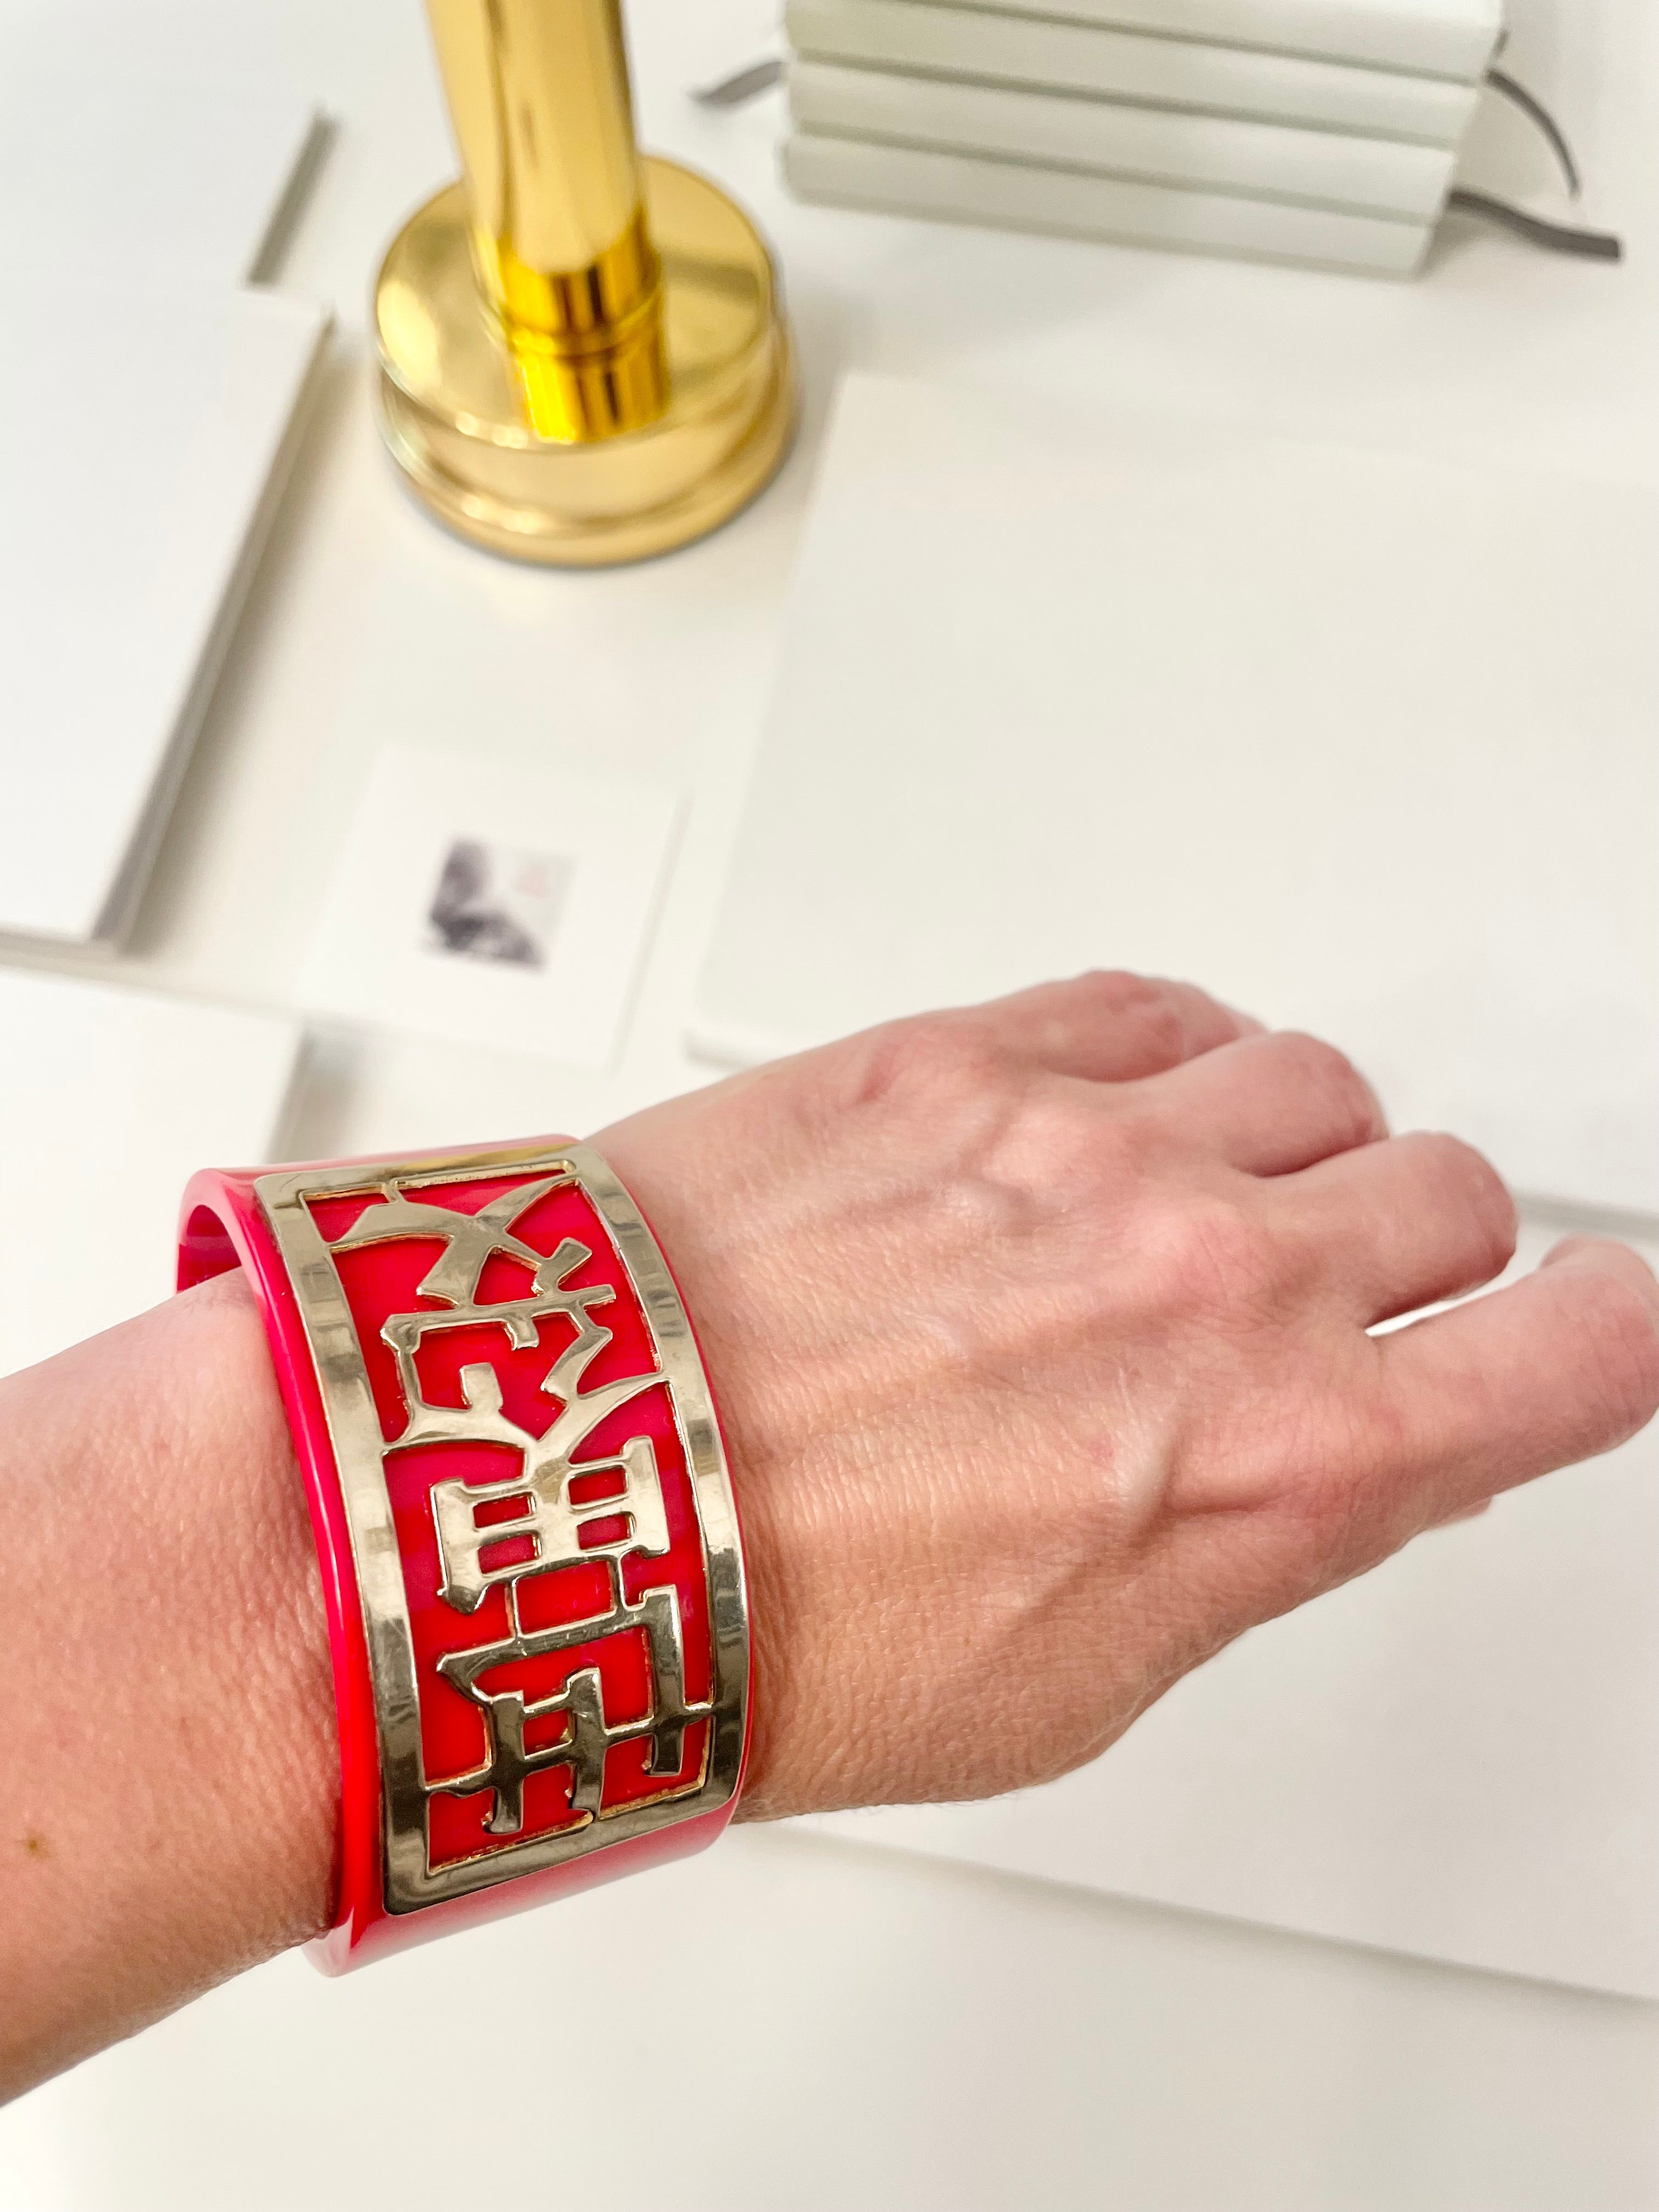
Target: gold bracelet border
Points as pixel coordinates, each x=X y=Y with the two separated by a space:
x=354 y=1428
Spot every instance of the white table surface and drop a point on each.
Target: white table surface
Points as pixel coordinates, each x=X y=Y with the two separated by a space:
x=877 y=2031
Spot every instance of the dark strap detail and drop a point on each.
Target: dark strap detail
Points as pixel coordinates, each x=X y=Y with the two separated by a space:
x=1534 y=110
x=1554 y=237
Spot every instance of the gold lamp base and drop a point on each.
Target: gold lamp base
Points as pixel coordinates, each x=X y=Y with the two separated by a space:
x=456 y=411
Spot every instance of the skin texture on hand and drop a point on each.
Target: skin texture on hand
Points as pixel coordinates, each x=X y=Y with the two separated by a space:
x=1040 y=1336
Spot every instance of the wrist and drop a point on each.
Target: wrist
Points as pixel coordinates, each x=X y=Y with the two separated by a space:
x=728 y=1281
x=538 y=1625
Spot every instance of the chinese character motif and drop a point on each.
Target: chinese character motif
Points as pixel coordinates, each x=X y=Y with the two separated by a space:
x=546 y=1515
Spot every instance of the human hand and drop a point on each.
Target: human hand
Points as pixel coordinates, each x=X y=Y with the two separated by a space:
x=1039 y=1332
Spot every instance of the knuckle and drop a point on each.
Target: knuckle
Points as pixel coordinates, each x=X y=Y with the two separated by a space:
x=1057 y=1142
x=1323 y=1507
x=1620 y=1327
x=1347 y=1530
x=928 y=1062
x=1223 y=1257
x=1319 y=1068
x=1342 y=1500
x=1120 y=991
x=1125 y=992
x=1463 y=1180
x=1114 y=995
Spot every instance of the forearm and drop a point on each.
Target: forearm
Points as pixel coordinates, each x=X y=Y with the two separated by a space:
x=167 y=1764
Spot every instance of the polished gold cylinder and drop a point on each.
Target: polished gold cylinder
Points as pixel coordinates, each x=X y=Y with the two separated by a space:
x=540 y=99
x=582 y=356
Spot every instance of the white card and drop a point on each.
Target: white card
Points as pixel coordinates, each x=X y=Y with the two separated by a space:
x=110 y=1100
x=1362 y=743
x=502 y=908
x=150 y=173
x=134 y=513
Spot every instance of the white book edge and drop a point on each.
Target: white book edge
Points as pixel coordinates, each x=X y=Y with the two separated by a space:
x=1324 y=168
x=200 y=567
x=1075 y=203
x=121 y=906
x=289 y=202
x=197 y=220
x=927 y=36
x=1454 y=39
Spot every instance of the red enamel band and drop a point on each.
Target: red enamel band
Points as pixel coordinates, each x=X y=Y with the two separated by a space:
x=523 y=1514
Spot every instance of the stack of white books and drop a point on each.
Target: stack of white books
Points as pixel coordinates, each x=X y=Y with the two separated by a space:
x=1317 y=131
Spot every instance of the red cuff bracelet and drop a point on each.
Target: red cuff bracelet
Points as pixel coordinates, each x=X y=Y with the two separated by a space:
x=528 y=1540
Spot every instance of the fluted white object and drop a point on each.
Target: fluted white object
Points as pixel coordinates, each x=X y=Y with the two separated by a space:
x=1119 y=138
x=1441 y=38
x=1197 y=75
x=1009 y=195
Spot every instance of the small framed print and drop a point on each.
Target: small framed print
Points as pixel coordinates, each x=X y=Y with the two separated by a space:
x=502 y=907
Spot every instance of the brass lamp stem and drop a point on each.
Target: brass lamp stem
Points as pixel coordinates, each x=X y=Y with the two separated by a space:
x=548 y=391
x=539 y=96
